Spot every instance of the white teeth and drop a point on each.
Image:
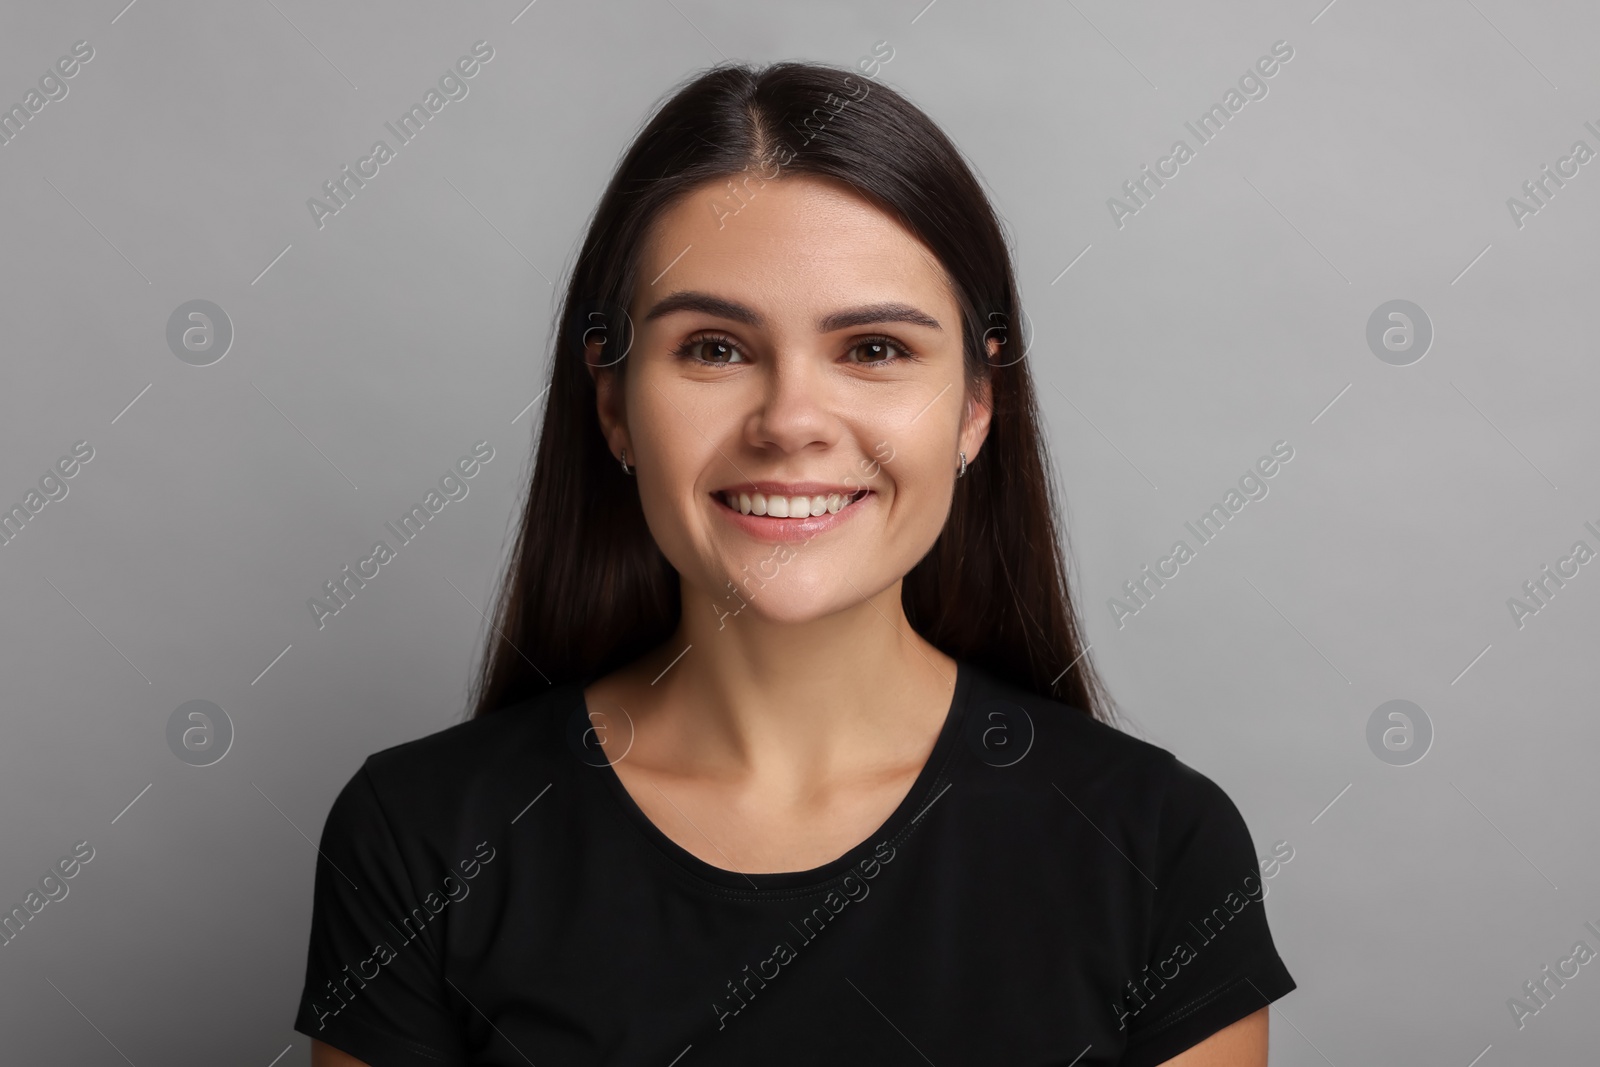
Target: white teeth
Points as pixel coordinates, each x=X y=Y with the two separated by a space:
x=784 y=507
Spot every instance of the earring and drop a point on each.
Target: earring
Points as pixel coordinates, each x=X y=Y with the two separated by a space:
x=625 y=467
x=962 y=473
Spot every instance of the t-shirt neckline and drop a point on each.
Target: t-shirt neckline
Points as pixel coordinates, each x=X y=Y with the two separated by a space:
x=917 y=798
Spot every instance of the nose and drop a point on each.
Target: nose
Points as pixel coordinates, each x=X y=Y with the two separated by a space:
x=797 y=406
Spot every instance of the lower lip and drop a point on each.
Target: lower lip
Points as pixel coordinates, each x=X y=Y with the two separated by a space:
x=767 y=528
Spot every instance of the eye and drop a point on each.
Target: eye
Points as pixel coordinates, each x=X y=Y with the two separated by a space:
x=721 y=349
x=882 y=350
x=715 y=349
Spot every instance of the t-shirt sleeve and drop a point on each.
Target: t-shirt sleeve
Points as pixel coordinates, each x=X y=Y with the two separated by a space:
x=374 y=986
x=1211 y=960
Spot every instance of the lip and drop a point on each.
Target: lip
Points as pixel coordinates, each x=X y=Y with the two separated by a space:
x=767 y=528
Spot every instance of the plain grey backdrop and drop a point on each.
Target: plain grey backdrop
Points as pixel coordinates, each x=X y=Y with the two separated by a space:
x=1174 y=341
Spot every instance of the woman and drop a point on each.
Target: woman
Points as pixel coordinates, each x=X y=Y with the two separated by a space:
x=787 y=750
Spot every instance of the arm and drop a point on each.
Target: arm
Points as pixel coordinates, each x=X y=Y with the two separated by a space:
x=325 y=1055
x=1241 y=1044
x=1208 y=936
x=388 y=1006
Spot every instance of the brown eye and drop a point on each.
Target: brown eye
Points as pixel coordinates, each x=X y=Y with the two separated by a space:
x=713 y=351
x=880 y=350
x=716 y=351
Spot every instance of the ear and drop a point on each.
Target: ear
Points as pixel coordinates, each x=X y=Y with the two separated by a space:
x=979 y=409
x=609 y=405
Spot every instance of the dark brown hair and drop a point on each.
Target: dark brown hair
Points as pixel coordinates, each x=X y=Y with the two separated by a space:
x=588 y=591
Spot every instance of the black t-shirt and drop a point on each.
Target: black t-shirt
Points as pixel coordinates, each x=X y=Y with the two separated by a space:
x=1050 y=891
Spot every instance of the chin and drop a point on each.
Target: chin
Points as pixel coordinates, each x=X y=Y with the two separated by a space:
x=773 y=610
x=789 y=596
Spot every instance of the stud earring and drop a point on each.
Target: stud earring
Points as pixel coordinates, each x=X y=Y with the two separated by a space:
x=962 y=473
x=625 y=468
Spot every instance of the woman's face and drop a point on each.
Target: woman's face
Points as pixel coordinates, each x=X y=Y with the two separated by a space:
x=798 y=353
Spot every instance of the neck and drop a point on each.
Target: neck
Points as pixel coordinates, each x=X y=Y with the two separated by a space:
x=743 y=694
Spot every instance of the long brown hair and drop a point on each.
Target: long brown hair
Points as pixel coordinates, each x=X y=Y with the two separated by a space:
x=588 y=591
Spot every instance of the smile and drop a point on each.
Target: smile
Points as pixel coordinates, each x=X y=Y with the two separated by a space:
x=790 y=518
x=789 y=507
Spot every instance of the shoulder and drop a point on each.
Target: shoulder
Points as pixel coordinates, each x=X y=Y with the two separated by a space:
x=1008 y=725
x=1129 y=788
x=478 y=765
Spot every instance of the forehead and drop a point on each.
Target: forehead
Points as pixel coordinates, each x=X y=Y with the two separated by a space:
x=800 y=244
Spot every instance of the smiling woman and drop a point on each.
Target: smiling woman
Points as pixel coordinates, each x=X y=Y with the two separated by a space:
x=786 y=733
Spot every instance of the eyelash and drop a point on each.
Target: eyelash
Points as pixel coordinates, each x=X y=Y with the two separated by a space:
x=684 y=350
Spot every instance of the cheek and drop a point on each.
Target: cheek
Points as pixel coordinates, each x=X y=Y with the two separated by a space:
x=680 y=441
x=922 y=488
x=667 y=482
x=678 y=526
x=674 y=453
x=905 y=466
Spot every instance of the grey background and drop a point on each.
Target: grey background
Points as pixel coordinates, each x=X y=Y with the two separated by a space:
x=1228 y=314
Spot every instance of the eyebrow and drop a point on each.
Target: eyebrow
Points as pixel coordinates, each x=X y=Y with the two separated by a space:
x=863 y=315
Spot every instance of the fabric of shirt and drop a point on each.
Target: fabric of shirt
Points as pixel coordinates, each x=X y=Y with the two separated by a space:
x=1051 y=891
